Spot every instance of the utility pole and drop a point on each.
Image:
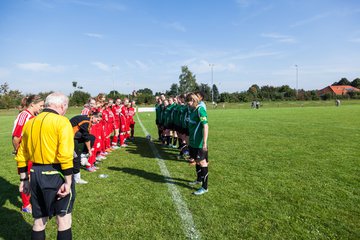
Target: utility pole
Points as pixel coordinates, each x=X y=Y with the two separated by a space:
x=212 y=82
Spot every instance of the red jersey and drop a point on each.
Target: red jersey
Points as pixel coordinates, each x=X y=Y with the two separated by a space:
x=85 y=111
x=116 y=109
x=20 y=121
x=111 y=116
x=130 y=114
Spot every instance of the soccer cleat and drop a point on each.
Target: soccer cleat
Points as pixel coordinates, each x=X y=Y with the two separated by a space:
x=27 y=209
x=124 y=145
x=201 y=191
x=115 y=147
x=91 y=169
x=80 y=181
x=84 y=161
x=195 y=182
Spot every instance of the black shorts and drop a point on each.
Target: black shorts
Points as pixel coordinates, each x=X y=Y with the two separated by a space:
x=198 y=154
x=45 y=182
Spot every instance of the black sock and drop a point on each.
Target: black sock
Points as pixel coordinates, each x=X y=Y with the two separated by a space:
x=168 y=139
x=204 y=177
x=163 y=139
x=198 y=172
x=38 y=235
x=159 y=132
x=64 y=235
x=174 y=141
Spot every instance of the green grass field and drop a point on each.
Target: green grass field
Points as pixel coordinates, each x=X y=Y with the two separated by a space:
x=275 y=173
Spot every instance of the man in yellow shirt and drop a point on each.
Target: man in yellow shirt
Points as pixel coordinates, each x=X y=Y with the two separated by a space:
x=48 y=141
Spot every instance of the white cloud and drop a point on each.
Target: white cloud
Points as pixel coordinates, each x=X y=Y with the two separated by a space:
x=4 y=72
x=279 y=37
x=40 y=67
x=311 y=19
x=203 y=66
x=142 y=65
x=176 y=26
x=102 y=66
x=254 y=55
x=94 y=35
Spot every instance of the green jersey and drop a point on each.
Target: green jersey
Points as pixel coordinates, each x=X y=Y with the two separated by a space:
x=158 y=113
x=197 y=120
x=184 y=115
x=168 y=115
x=176 y=115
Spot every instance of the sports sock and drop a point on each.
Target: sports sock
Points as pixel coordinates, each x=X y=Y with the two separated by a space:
x=198 y=172
x=204 y=177
x=114 y=141
x=122 y=139
x=64 y=235
x=38 y=235
x=168 y=139
x=174 y=141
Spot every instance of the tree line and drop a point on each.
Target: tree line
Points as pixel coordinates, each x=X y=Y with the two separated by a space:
x=187 y=83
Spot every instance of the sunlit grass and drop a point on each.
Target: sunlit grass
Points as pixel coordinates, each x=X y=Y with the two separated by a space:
x=275 y=173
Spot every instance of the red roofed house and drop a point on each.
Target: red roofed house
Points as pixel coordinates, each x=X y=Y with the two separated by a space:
x=338 y=90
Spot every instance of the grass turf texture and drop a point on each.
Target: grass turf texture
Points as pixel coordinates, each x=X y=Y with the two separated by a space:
x=275 y=173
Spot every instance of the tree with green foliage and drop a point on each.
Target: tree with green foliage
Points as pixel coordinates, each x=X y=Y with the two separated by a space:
x=146 y=91
x=343 y=81
x=174 y=90
x=356 y=83
x=187 y=81
x=216 y=94
x=206 y=91
x=79 y=98
x=254 y=91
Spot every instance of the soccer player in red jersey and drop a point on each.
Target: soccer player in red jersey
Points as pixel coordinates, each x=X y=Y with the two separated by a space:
x=116 y=109
x=123 y=122
x=32 y=106
x=91 y=104
x=130 y=118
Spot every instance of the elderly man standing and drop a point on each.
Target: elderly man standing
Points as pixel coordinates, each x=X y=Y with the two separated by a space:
x=48 y=141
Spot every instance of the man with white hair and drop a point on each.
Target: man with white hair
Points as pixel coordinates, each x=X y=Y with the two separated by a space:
x=48 y=142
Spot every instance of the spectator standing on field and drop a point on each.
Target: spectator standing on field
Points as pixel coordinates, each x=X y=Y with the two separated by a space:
x=32 y=106
x=48 y=142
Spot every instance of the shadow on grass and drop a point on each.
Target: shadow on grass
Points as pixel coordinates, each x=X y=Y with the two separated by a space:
x=153 y=176
x=12 y=222
x=140 y=147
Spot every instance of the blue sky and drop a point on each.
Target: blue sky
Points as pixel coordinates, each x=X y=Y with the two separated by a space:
x=131 y=44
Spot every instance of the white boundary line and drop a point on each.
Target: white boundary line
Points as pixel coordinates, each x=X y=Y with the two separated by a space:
x=182 y=209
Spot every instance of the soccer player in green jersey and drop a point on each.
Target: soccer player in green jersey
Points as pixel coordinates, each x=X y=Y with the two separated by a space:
x=198 y=136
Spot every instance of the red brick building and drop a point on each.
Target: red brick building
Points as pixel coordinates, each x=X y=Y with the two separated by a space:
x=338 y=90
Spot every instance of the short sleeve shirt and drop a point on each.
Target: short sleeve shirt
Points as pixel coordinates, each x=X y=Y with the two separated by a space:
x=197 y=120
x=19 y=123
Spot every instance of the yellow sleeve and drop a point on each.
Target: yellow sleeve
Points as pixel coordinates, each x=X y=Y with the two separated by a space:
x=66 y=144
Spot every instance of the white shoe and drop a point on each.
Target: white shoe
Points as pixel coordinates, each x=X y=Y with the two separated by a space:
x=84 y=161
x=80 y=181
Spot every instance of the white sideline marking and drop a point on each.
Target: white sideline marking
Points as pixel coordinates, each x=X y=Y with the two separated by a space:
x=182 y=209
